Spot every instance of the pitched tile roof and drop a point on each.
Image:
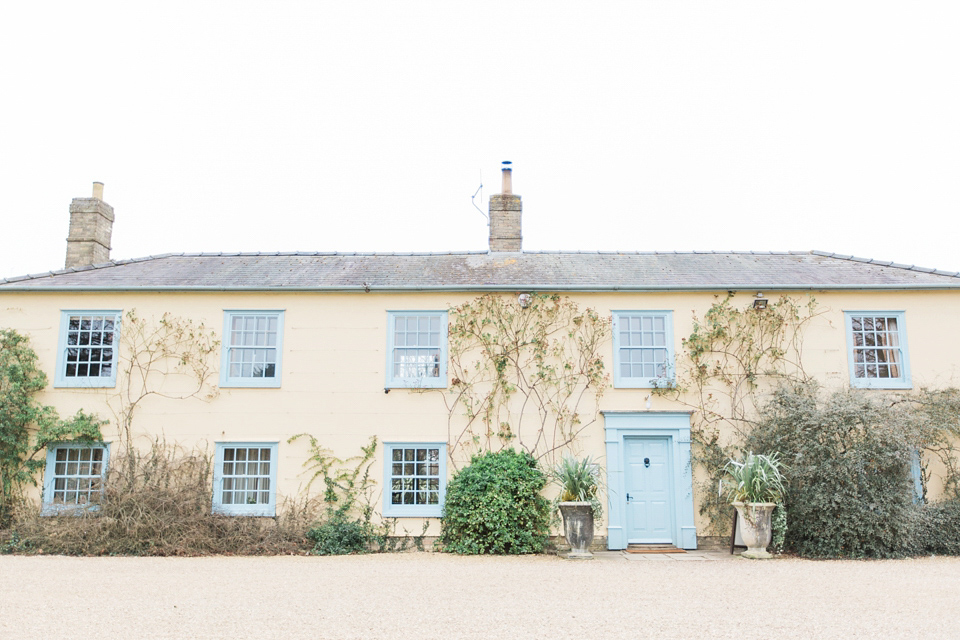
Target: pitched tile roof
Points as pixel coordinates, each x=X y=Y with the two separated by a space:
x=503 y=271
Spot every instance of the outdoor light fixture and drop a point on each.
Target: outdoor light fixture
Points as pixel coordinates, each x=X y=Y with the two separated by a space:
x=524 y=299
x=760 y=303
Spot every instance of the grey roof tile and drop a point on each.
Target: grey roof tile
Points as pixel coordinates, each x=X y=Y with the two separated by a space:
x=467 y=271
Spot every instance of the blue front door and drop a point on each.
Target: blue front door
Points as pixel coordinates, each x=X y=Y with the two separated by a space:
x=649 y=494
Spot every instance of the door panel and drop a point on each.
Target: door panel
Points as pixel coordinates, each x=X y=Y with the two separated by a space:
x=650 y=500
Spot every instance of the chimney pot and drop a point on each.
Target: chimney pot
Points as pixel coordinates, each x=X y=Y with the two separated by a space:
x=98 y=190
x=507 y=172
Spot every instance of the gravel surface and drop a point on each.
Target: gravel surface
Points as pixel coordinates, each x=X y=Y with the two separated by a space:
x=427 y=595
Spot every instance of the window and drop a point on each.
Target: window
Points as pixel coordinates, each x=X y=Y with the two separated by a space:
x=877 y=349
x=642 y=349
x=416 y=349
x=417 y=477
x=87 y=354
x=73 y=479
x=245 y=479
x=252 y=349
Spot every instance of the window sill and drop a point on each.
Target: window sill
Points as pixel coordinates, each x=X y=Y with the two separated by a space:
x=886 y=384
x=416 y=384
x=109 y=383
x=247 y=384
x=263 y=512
x=644 y=383
x=416 y=512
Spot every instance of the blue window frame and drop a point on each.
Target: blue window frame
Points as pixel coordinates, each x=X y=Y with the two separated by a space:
x=417 y=349
x=643 y=353
x=73 y=478
x=87 y=351
x=877 y=349
x=245 y=479
x=252 y=350
x=416 y=477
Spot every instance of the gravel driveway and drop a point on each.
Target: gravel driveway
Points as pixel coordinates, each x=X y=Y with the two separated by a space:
x=427 y=595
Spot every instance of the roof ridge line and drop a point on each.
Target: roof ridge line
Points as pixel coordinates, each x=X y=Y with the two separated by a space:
x=886 y=263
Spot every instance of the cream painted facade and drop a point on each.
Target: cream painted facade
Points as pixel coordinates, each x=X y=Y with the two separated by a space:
x=334 y=360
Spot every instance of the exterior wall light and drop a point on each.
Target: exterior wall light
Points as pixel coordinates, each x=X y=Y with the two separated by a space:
x=525 y=299
x=760 y=303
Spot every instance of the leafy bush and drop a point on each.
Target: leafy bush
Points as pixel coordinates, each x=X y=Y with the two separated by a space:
x=340 y=536
x=494 y=506
x=938 y=529
x=778 y=527
x=849 y=492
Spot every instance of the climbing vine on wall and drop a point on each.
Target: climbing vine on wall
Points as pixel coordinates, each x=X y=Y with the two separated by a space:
x=26 y=425
x=732 y=359
x=528 y=376
x=170 y=357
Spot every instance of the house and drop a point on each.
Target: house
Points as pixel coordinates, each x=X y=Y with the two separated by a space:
x=346 y=346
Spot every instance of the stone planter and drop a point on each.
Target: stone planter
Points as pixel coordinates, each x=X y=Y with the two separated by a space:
x=755 y=528
x=578 y=528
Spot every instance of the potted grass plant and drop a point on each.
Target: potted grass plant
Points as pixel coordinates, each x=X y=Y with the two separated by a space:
x=754 y=487
x=579 y=481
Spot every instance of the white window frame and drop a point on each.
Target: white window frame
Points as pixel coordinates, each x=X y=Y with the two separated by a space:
x=60 y=379
x=50 y=477
x=228 y=381
x=901 y=382
x=425 y=382
x=391 y=510
x=641 y=382
x=269 y=509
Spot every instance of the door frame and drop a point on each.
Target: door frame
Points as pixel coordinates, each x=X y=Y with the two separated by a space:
x=673 y=425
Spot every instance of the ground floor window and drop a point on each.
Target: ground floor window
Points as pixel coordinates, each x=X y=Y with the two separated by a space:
x=416 y=477
x=74 y=476
x=245 y=479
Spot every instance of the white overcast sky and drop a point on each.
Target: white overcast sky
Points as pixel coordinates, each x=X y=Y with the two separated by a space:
x=366 y=126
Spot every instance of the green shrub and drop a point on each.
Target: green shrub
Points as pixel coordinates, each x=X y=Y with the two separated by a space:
x=778 y=527
x=340 y=536
x=494 y=506
x=849 y=492
x=938 y=529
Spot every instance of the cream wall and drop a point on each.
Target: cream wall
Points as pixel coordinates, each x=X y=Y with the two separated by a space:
x=334 y=359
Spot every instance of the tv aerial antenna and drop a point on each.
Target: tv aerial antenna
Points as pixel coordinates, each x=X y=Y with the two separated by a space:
x=473 y=198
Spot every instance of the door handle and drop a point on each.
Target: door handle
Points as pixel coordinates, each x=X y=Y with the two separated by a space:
x=628 y=497
x=646 y=462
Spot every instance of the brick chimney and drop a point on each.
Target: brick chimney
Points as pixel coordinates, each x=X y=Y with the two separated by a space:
x=505 y=214
x=91 y=225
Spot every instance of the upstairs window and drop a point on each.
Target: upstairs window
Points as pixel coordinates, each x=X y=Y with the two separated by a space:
x=74 y=477
x=87 y=355
x=877 y=349
x=642 y=349
x=252 y=349
x=417 y=349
